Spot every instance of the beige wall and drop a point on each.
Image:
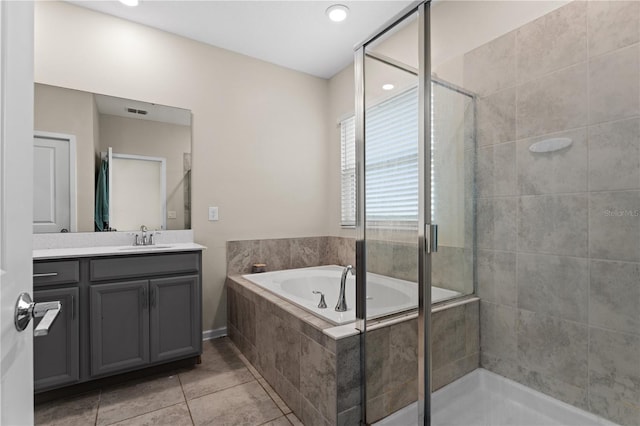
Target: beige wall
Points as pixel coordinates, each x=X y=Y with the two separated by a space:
x=154 y=139
x=259 y=130
x=72 y=112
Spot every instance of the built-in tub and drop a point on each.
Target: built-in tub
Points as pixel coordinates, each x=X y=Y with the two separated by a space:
x=385 y=295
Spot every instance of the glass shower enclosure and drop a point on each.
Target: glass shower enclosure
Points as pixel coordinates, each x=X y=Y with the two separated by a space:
x=415 y=150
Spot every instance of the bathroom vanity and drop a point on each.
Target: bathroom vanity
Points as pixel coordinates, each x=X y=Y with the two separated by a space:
x=123 y=308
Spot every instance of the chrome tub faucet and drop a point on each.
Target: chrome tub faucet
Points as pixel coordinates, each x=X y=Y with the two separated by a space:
x=341 y=306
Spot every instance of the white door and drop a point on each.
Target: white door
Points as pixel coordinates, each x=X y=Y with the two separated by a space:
x=16 y=187
x=53 y=183
x=137 y=191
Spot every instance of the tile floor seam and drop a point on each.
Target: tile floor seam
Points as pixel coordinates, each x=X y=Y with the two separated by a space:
x=271 y=397
x=95 y=421
x=215 y=391
x=144 y=414
x=222 y=390
x=186 y=401
x=279 y=417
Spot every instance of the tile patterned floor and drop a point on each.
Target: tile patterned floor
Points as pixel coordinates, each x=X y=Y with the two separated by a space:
x=224 y=390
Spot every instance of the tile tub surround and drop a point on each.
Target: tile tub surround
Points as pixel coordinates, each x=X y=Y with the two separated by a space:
x=396 y=259
x=286 y=344
x=318 y=376
x=558 y=233
x=289 y=253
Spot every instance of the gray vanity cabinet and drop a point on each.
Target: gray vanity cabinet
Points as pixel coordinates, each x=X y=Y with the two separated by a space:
x=145 y=310
x=59 y=362
x=119 y=313
x=175 y=317
x=119 y=326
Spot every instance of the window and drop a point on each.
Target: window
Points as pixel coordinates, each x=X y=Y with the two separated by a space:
x=391 y=160
x=348 y=171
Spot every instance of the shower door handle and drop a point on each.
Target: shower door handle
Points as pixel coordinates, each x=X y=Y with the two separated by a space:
x=431 y=237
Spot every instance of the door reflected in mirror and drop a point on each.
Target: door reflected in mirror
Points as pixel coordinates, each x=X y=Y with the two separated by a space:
x=77 y=190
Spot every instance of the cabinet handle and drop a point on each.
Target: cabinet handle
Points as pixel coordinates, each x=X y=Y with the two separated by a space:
x=45 y=274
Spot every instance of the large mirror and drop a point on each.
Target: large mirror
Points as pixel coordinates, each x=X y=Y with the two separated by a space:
x=109 y=164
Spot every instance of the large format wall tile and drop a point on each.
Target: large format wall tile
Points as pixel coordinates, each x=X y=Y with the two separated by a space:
x=496 y=118
x=278 y=252
x=552 y=385
x=504 y=169
x=318 y=377
x=614 y=155
x=448 y=330
x=305 y=252
x=496 y=224
x=614 y=86
x=554 y=285
x=553 y=347
x=553 y=224
x=612 y=25
x=614 y=376
x=492 y=66
x=553 y=103
x=614 y=225
x=615 y=296
x=498 y=330
x=241 y=255
x=553 y=172
x=552 y=42
x=496 y=272
x=452 y=269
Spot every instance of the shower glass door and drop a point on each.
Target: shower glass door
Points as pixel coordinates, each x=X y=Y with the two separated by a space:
x=391 y=118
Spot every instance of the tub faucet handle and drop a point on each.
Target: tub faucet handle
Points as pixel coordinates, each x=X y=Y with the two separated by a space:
x=322 y=304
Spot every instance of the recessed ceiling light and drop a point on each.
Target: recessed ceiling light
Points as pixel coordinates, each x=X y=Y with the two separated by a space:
x=387 y=86
x=131 y=3
x=337 y=12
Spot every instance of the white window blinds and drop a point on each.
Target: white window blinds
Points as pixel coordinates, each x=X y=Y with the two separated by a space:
x=348 y=171
x=391 y=163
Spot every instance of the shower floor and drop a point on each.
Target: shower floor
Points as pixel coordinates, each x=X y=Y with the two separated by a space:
x=482 y=398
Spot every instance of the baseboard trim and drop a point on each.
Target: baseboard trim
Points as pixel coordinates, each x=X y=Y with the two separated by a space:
x=214 y=334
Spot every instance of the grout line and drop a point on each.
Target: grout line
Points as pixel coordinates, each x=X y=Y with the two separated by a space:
x=143 y=414
x=184 y=395
x=98 y=407
x=270 y=397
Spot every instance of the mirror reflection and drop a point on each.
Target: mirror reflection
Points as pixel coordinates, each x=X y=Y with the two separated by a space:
x=109 y=164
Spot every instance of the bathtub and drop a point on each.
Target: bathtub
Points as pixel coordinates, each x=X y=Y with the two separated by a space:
x=385 y=295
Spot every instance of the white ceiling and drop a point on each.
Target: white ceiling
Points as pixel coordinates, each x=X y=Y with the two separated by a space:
x=295 y=34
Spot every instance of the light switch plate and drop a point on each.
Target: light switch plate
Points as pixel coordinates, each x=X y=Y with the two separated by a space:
x=213 y=213
x=171 y=214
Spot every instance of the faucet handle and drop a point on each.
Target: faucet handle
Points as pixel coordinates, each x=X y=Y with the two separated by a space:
x=322 y=304
x=136 y=238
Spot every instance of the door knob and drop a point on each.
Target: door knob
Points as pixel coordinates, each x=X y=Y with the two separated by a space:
x=27 y=309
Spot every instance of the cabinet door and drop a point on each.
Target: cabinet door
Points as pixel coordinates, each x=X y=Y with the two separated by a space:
x=56 y=355
x=176 y=329
x=119 y=326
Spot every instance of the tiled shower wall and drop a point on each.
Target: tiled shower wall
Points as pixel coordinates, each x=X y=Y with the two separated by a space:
x=559 y=233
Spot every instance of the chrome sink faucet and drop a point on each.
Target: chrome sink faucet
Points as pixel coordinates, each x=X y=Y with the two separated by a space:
x=143 y=239
x=341 y=306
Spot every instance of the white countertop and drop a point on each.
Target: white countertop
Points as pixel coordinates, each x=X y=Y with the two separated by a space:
x=58 y=253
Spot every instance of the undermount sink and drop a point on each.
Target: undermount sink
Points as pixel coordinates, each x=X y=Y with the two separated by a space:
x=152 y=247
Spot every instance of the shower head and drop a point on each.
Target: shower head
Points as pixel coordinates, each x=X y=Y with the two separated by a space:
x=550 y=145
